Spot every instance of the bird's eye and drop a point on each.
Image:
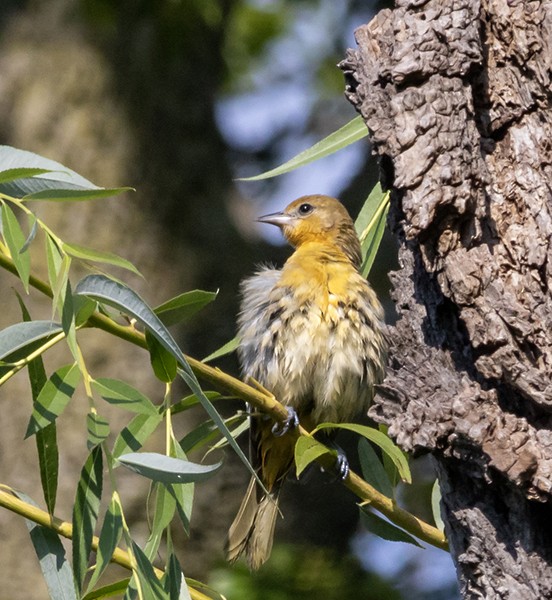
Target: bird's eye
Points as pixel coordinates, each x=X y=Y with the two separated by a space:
x=305 y=209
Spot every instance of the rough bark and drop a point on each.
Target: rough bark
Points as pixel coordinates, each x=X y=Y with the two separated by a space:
x=456 y=94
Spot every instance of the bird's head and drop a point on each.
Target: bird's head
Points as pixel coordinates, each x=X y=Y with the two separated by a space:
x=318 y=219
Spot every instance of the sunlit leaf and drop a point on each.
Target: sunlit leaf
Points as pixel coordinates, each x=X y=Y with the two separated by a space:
x=51 y=555
x=112 y=590
x=91 y=255
x=348 y=134
x=165 y=507
x=436 y=505
x=21 y=336
x=120 y=393
x=166 y=469
x=163 y=363
x=33 y=228
x=307 y=450
x=97 y=428
x=53 y=397
x=110 y=535
x=85 y=513
x=151 y=586
x=46 y=179
x=135 y=434
x=184 y=306
x=227 y=348
x=15 y=240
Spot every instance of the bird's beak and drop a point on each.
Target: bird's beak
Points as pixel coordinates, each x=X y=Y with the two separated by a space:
x=279 y=219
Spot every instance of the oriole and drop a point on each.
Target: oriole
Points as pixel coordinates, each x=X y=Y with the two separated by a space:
x=312 y=334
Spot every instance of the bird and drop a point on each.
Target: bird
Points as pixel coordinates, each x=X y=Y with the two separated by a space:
x=312 y=333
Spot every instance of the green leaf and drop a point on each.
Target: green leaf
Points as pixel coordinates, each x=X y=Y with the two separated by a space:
x=13 y=174
x=85 y=513
x=116 y=294
x=165 y=507
x=166 y=469
x=15 y=240
x=21 y=335
x=122 y=394
x=436 y=505
x=183 y=493
x=192 y=400
x=53 y=398
x=51 y=555
x=184 y=306
x=110 y=535
x=89 y=254
x=98 y=429
x=348 y=134
x=135 y=434
x=381 y=440
x=45 y=178
x=227 y=348
x=46 y=439
x=307 y=450
x=108 y=591
x=150 y=585
x=173 y=581
x=372 y=469
x=163 y=363
x=33 y=228
x=370 y=226
x=384 y=529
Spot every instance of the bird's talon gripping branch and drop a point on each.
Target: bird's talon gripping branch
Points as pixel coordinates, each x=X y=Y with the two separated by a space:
x=342 y=466
x=291 y=422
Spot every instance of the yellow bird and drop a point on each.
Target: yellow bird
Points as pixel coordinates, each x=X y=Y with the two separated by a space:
x=312 y=333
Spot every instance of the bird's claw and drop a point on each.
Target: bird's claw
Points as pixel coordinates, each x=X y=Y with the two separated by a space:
x=290 y=422
x=342 y=465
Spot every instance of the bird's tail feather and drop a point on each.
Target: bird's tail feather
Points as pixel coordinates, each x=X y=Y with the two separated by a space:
x=252 y=531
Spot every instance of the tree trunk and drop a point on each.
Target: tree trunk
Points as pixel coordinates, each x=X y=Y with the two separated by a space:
x=456 y=94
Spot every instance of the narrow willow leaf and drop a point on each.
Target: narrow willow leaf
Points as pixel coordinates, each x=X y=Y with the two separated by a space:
x=192 y=400
x=33 y=228
x=51 y=555
x=151 y=586
x=91 y=255
x=110 y=535
x=184 y=306
x=348 y=134
x=97 y=428
x=53 y=398
x=370 y=226
x=183 y=493
x=167 y=469
x=207 y=432
x=46 y=439
x=227 y=348
x=85 y=513
x=15 y=240
x=372 y=469
x=173 y=581
x=43 y=174
x=68 y=320
x=381 y=440
x=76 y=195
x=135 y=434
x=120 y=393
x=53 y=260
x=116 y=294
x=22 y=173
x=108 y=591
x=436 y=505
x=307 y=450
x=163 y=363
x=84 y=308
x=390 y=467
x=165 y=507
x=384 y=529
x=22 y=335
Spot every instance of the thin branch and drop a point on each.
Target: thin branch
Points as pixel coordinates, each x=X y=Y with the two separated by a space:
x=267 y=404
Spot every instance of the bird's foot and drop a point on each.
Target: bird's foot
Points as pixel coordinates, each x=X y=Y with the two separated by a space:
x=342 y=465
x=290 y=422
